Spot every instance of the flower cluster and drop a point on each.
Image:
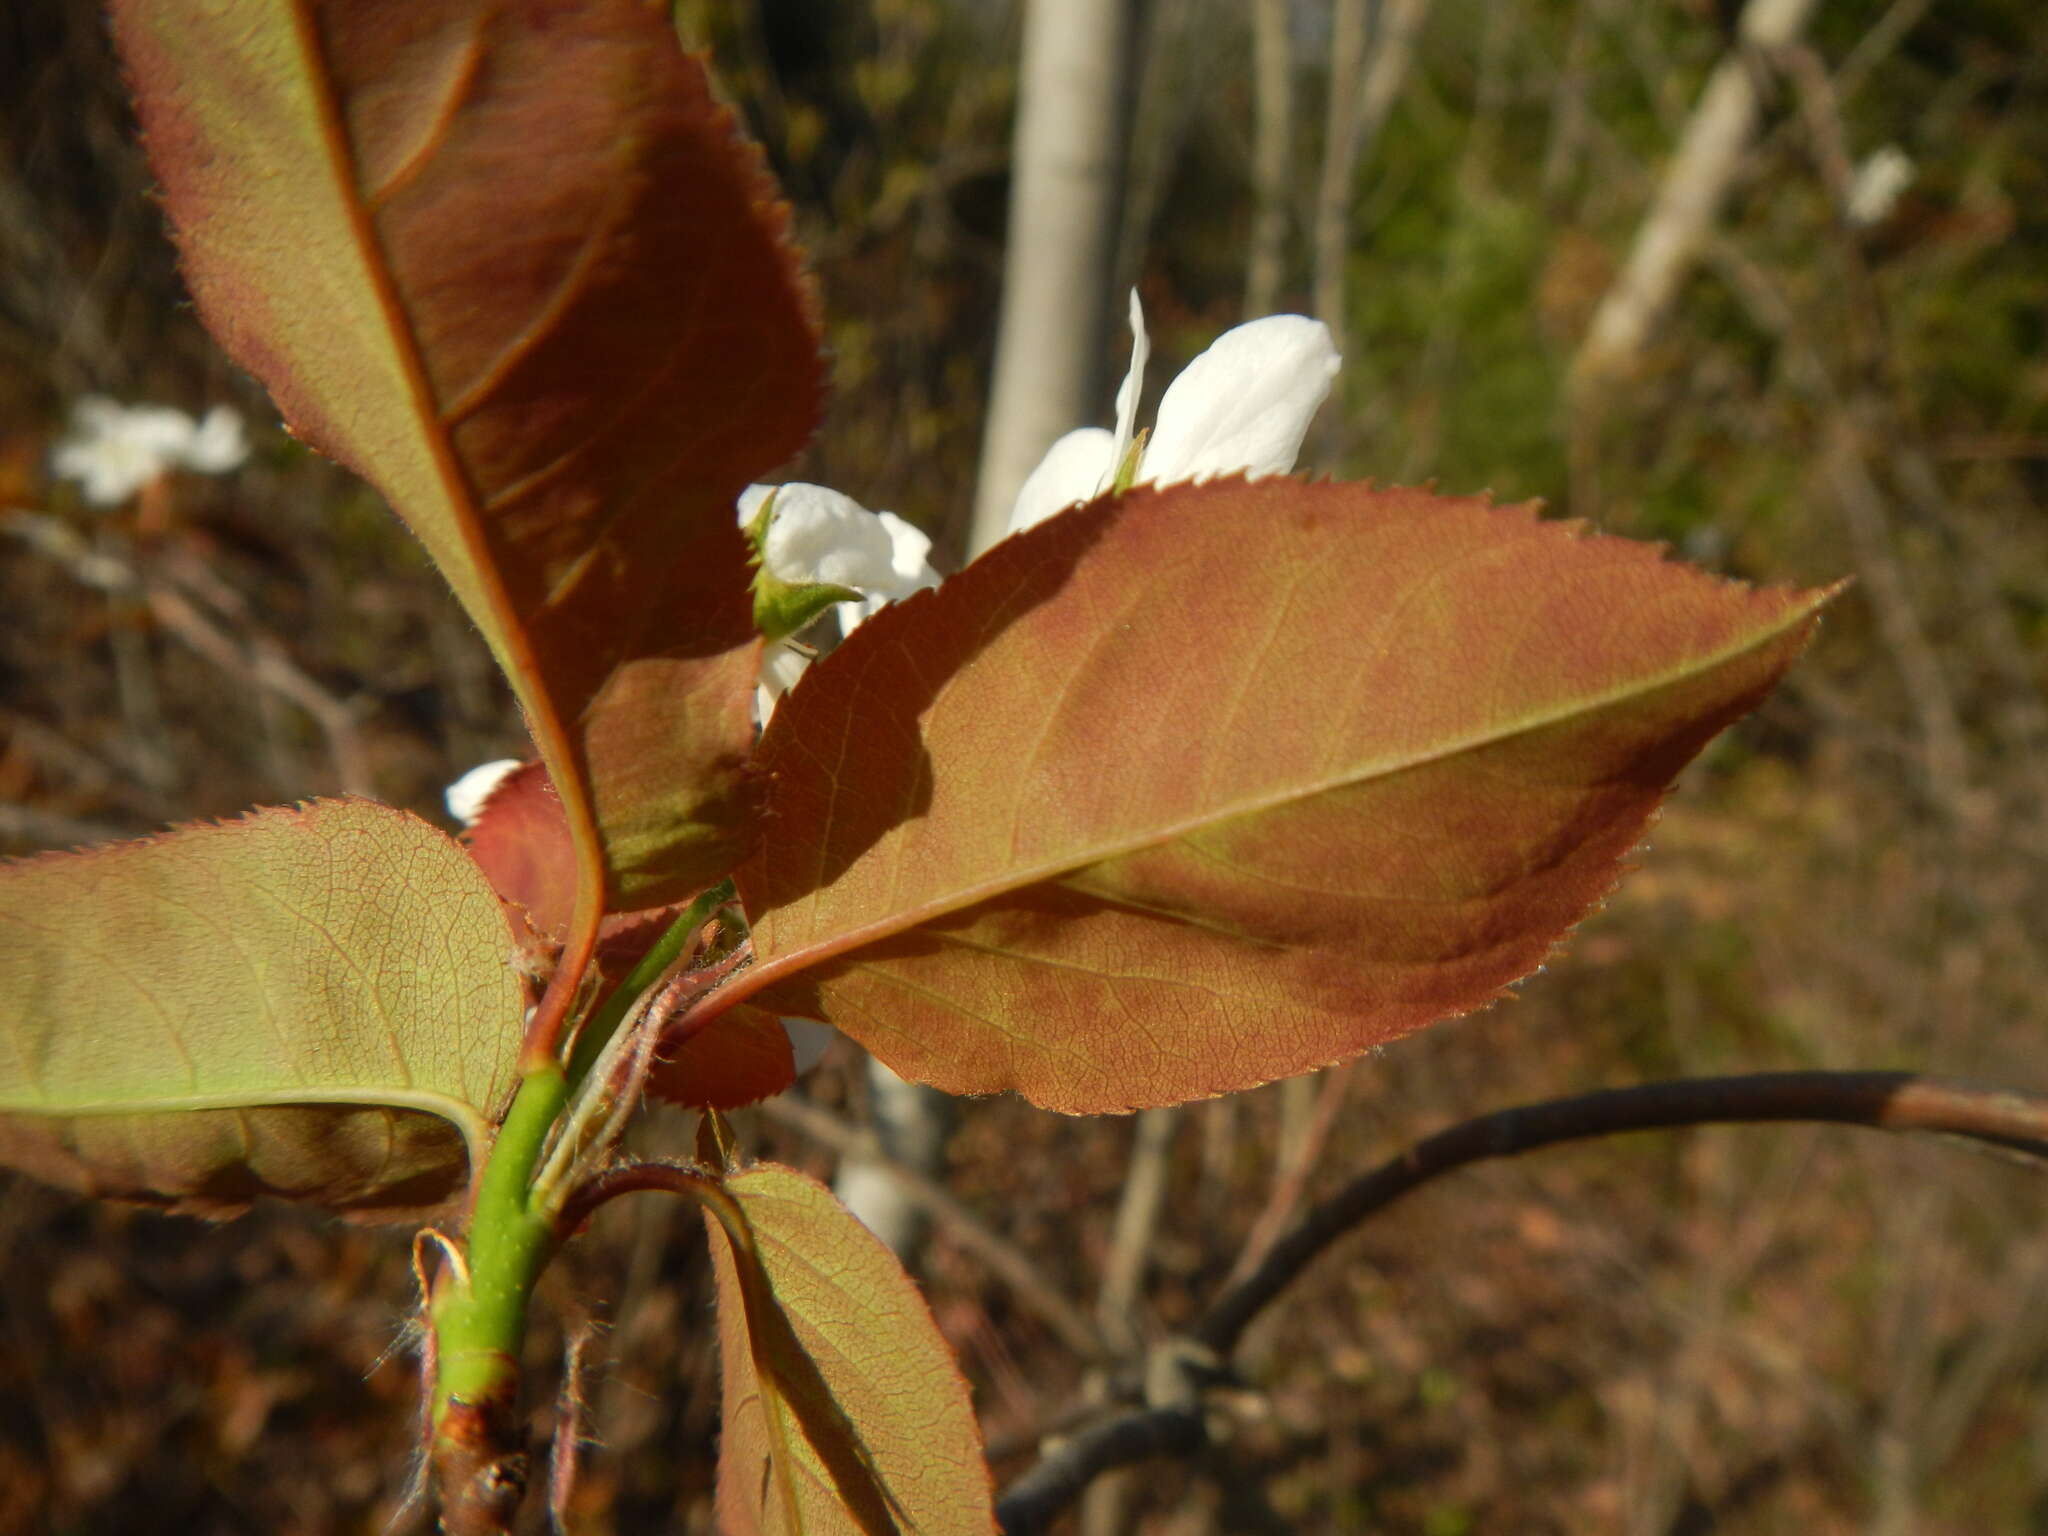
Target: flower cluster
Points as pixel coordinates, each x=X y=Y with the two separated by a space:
x=1242 y=407
x=114 y=450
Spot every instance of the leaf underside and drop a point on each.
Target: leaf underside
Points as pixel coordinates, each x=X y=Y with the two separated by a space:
x=843 y=1410
x=742 y=1057
x=1202 y=787
x=512 y=263
x=312 y=1003
x=520 y=840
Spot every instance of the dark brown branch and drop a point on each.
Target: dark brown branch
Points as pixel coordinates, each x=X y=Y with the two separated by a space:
x=1892 y=1101
x=1040 y=1496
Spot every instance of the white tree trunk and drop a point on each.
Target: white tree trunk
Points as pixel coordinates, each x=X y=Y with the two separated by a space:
x=1365 y=82
x=911 y=1123
x=1265 y=269
x=1333 y=186
x=1709 y=157
x=1065 y=171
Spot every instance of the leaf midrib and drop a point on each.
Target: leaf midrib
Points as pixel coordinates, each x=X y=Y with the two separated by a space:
x=468 y=1119
x=460 y=502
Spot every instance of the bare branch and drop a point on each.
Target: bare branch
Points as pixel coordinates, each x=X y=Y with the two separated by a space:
x=1945 y=753
x=1703 y=171
x=1891 y=1101
x=1135 y=1228
x=259 y=657
x=1364 y=85
x=1272 y=156
x=1331 y=236
x=1040 y=1496
x=1105 y=1510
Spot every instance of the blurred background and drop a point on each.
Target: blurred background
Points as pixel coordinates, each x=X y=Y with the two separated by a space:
x=1770 y=285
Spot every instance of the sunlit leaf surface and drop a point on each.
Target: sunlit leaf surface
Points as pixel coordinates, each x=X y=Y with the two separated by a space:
x=1213 y=785
x=843 y=1411
x=313 y=1003
x=512 y=264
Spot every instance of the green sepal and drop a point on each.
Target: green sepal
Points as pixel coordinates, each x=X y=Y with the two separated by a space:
x=1127 y=471
x=717 y=1147
x=781 y=608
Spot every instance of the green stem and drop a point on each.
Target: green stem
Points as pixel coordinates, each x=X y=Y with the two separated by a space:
x=478 y=1312
x=603 y=1024
x=479 y=1320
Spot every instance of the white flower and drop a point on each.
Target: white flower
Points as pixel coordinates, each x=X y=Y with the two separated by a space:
x=814 y=536
x=114 y=450
x=819 y=535
x=466 y=796
x=218 y=442
x=1243 y=406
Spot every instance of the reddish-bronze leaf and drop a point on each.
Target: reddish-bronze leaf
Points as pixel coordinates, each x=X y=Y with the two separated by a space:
x=311 y=1003
x=740 y=1058
x=1202 y=787
x=844 y=1412
x=510 y=261
x=521 y=842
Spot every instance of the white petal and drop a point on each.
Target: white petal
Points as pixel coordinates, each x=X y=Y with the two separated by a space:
x=781 y=665
x=218 y=443
x=912 y=573
x=1127 y=393
x=1073 y=469
x=1878 y=184
x=157 y=429
x=466 y=796
x=817 y=534
x=910 y=550
x=108 y=472
x=1244 y=404
x=750 y=502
